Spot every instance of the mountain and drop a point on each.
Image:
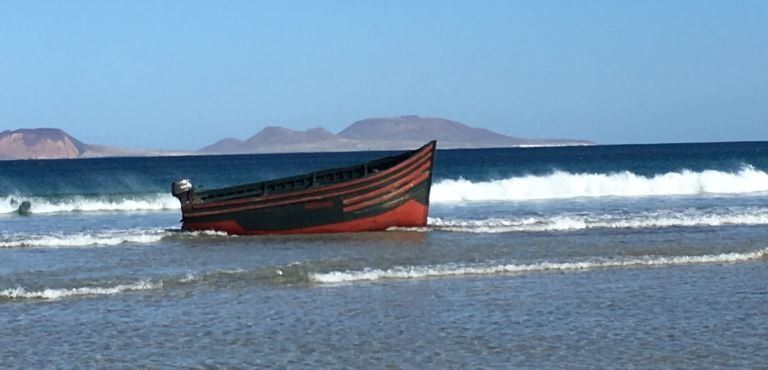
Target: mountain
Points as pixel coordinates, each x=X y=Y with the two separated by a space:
x=389 y=133
x=415 y=128
x=278 y=139
x=283 y=136
x=39 y=143
x=53 y=143
x=228 y=145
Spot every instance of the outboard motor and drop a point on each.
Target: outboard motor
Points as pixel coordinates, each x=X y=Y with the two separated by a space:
x=182 y=190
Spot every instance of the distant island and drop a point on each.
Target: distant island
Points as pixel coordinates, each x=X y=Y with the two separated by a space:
x=53 y=143
x=392 y=133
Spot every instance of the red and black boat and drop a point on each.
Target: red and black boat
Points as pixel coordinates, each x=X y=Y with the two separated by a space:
x=373 y=196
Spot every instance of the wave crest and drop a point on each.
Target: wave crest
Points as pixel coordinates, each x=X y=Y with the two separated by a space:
x=53 y=294
x=111 y=203
x=561 y=185
x=138 y=236
x=104 y=237
x=660 y=219
x=445 y=270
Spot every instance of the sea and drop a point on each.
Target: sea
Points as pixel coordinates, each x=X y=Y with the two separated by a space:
x=625 y=256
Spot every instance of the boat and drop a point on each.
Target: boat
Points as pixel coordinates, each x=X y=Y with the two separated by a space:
x=388 y=192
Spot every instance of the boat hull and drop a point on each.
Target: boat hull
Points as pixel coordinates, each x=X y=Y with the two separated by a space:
x=397 y=196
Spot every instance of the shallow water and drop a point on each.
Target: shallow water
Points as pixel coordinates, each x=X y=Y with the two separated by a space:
x=619 y=265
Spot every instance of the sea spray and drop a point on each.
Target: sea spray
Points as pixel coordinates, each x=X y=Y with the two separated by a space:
x=562 y=185
x=557 y=185
x=81 y=203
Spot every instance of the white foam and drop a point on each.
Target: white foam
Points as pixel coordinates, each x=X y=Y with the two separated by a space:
x=551 y=145
x=561 y=185
x=190 y=277
x=581 y=222
x=83 y=239
x=100 y=237
x=208 y=233
x=428 y=271
x=127 y=203
x=52 y=294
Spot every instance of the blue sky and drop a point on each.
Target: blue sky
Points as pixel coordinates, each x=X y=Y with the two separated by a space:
x=182 y=74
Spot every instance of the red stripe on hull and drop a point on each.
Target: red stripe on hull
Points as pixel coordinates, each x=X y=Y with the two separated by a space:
x=374 y=193
x=409 y=214
x=393 y=193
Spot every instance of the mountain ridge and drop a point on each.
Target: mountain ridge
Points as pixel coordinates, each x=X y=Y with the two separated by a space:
x=382 y=133
x=54 y=143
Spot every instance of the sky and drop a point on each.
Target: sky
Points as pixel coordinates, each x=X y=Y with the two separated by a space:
x=183 y=74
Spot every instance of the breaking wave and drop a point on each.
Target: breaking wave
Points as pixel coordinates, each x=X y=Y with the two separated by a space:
x=83 y=239
x=298 y=273
x=53 y=294
x=111 y=203
x=265 y=274
x=557 y=185
x=561 y=185
x=660 y=219
x=445 y=270
x=100 y=238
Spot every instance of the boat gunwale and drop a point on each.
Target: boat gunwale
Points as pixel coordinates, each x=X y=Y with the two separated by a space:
x=409 y=157
x=302 y=176
x=422 y=165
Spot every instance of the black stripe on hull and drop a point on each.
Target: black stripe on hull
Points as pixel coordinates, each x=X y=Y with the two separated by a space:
x=309 y=214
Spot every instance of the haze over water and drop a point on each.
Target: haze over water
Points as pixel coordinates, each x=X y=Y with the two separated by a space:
x=648 y=256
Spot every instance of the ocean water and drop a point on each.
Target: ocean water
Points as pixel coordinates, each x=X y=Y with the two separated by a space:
x=637 y=256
